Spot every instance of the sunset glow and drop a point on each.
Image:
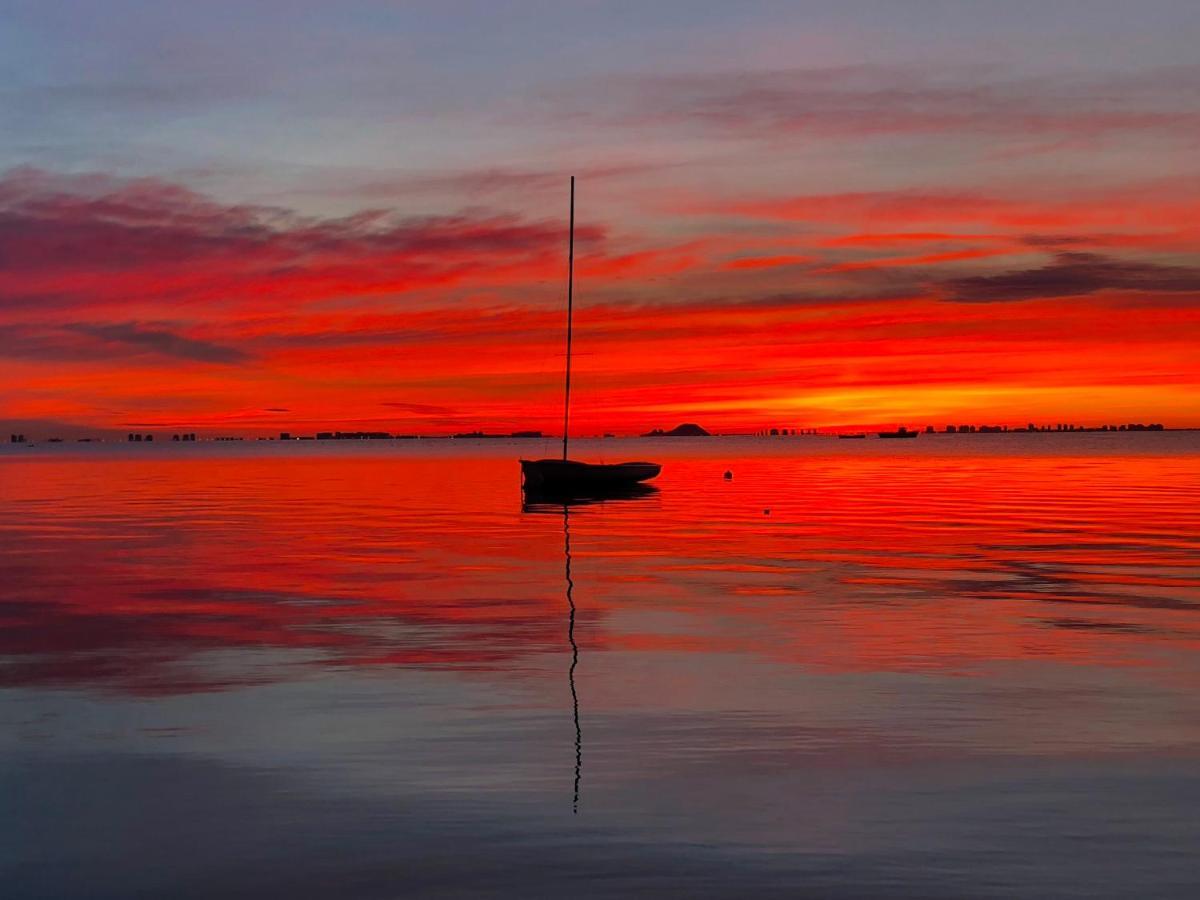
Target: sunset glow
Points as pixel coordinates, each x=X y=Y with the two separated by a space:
x=309 y=222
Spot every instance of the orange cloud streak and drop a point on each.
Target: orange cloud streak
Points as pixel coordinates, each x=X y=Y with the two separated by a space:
x=146 y=303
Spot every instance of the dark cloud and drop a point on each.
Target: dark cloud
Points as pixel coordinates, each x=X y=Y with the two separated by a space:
x=74 y=239
x=1074 y=274
x=166 y=343
x=80 y=342
x=1057 y=241
x=421 y=409
x=47 y=221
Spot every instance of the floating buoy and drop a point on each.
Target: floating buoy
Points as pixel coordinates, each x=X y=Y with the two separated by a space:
x=728 y=475
x=766 y=512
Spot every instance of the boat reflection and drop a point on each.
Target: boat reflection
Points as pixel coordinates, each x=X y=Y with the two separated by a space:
x=541 y=500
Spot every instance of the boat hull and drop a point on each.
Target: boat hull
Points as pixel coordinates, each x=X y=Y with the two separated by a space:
x=569 y=474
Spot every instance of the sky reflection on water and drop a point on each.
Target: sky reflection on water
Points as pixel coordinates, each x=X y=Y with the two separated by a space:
x=964 y=668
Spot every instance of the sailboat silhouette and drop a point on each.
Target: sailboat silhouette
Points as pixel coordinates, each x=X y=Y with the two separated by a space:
x=569 y=475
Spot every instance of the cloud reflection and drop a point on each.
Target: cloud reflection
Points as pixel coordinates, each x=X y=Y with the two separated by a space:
x=168 y=575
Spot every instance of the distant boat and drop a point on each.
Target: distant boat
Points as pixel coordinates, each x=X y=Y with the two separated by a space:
x=902 y=433
x=565 y=475
x=851 y=437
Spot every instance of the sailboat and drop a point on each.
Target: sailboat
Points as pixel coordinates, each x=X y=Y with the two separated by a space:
x=567 y=476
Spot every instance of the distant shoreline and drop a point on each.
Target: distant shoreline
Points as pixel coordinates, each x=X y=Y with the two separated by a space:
x=332 y=438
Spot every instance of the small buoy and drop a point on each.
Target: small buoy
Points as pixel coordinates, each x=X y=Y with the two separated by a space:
x=728 y=475
x=766 y=512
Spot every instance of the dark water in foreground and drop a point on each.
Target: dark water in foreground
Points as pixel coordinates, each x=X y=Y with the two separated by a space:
x=953 y=667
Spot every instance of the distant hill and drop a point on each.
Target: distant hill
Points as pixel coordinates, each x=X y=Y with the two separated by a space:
x=687 y=429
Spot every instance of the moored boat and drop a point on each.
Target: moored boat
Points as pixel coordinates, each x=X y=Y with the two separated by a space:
x=901 y=433
x=566 y=476
x=557 y=474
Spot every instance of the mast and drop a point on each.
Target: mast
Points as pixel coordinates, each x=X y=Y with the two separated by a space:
x=570 y=304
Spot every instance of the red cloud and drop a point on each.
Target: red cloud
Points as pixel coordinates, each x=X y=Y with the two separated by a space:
x=91 y=239
x=423 y=324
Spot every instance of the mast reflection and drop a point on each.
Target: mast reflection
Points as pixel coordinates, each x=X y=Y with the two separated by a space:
x=533 y=501
x=566 y=511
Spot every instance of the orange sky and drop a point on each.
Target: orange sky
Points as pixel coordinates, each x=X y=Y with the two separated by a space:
x=140 y=304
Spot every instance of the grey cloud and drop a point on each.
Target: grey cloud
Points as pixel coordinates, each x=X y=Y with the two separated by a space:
x=1074 y=274
x=878 y=100
x=81 y=342
x=166 y=343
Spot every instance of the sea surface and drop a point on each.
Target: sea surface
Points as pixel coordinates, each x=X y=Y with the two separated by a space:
x=964 y=666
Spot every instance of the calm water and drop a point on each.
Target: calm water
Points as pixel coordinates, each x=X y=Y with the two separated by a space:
x=952 y=667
